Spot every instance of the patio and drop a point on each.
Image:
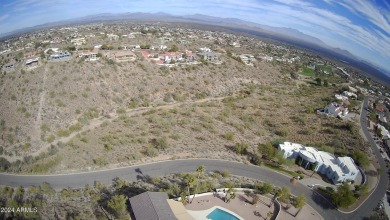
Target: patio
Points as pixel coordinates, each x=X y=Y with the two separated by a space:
x=241 y=206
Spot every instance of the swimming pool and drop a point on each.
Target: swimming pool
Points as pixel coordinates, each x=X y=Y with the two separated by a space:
x=219 y=214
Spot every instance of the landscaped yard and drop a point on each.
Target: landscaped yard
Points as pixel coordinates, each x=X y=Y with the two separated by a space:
x=307 y=72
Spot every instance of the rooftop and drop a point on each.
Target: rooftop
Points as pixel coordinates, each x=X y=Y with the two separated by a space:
x=151 y=206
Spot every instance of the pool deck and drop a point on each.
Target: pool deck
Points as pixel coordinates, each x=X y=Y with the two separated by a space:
x=242 y=208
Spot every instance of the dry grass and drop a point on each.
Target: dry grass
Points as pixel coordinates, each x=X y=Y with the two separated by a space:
x=120 y=114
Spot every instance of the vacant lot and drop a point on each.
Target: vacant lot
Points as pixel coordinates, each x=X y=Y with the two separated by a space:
x=100 y=114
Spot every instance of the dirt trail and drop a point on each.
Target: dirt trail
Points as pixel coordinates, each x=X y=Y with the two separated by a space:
x=36 y=133
x=96 y=122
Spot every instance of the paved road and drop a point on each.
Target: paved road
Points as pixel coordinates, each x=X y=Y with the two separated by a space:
x=167 y=167
x=163 y=168
x=380 y=191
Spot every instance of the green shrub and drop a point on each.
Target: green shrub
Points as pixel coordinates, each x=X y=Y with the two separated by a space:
x=240 y=148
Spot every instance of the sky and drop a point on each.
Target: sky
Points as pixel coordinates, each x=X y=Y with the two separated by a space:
x=360 y=26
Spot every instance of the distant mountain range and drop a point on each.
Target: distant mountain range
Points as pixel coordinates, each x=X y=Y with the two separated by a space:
x=288 y=35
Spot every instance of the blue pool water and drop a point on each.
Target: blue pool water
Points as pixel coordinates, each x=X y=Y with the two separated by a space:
x=219 y=214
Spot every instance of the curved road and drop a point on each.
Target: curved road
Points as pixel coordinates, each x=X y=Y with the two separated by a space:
x=380 y=190
x=176 y=166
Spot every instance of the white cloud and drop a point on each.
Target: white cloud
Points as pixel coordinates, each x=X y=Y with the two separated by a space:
x=366 y=9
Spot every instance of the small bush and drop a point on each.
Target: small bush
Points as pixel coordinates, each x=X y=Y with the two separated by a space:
x=225 y=173
x=241 y=148
x=229 y=136
x=151 y=152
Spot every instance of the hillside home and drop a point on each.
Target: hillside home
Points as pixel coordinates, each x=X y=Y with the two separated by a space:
x=248 y=59
x=189 y=56
x=205 y=50
x=157 y=206
x=379 y=107
x=350 y=95
x=88 y=55
x=120 y=55
x=32 y=62
x=383 y=131
x=336 y=110
x=265 y=58
x=208 y=56
x=337 y=170
x=59 y=56
x=167 y=57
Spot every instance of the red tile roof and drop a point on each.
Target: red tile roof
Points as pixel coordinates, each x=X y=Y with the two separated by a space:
x=379 y=108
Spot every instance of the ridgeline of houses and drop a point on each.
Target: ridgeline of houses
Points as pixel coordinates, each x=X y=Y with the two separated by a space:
x=128 y=36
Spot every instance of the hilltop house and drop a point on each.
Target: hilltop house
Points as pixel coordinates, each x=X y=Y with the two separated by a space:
x=248 y=59
x=337 y=170
x=336 y=110
x=383 y=131
x=120 y=55
x=168 y=57
x=59 y=56
x=33 y=62
x=208 y=56
x=89 y=55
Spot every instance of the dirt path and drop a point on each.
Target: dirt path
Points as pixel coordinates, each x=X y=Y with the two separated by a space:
x=36 y=133
x=96 y=122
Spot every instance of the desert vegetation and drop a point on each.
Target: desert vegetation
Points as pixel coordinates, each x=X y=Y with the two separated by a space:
x=80 y=115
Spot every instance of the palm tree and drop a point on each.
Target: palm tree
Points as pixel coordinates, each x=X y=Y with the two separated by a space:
x=183 y=197
x=228 y=192
x=232 y=196
x=189 y=180
x=200 y=170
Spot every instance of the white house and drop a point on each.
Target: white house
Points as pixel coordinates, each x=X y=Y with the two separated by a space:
x=349 y=94
x=205 y=50
x=248 y=59
x=88 y=55
x=59 y=56
x=336 y=110
x=335 y=169
x=384 y=132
